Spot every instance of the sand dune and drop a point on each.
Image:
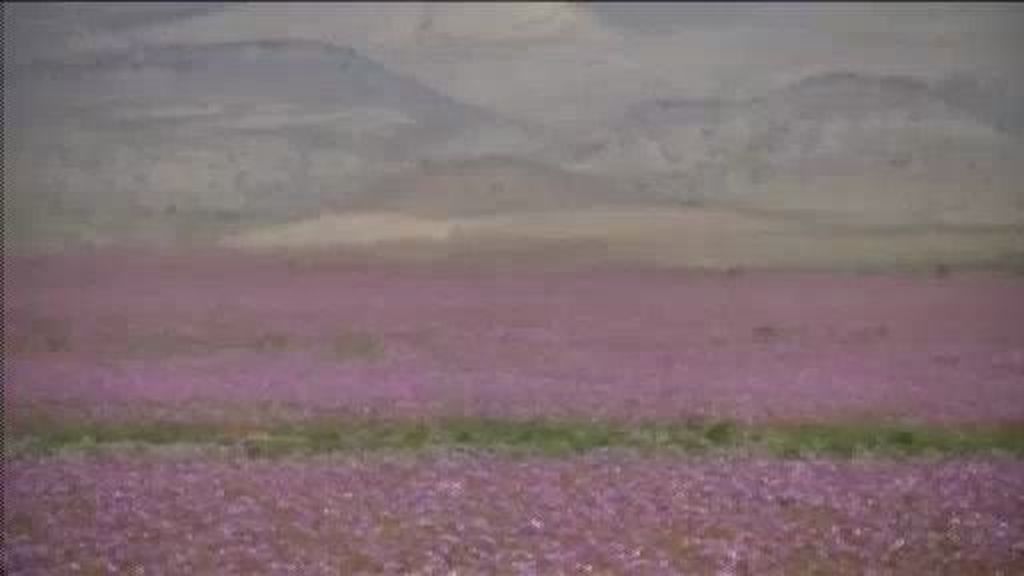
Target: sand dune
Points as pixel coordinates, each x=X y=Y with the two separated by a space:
x=343 y=229
x=690 y=237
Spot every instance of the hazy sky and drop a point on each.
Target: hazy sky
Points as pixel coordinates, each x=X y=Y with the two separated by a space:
x=665 y=44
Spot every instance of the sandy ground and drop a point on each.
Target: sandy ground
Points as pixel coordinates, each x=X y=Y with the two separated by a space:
x=676 y=237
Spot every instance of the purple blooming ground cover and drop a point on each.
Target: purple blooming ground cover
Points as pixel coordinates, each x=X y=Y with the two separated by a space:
x=109 y=334
x=596 y=514
x=111 y=337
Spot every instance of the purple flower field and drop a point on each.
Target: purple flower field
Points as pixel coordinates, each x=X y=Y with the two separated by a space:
x=110 y=336
x=598 y=514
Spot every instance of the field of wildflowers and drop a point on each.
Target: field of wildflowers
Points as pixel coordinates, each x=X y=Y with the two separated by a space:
x=786 y=403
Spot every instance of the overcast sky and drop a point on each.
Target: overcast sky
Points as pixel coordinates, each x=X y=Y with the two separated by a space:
x=724 y=41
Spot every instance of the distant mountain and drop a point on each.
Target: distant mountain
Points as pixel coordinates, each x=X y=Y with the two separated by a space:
x=486 y=186
x=314 y=75
x=176 y=136
x=989 y=101
x=269 y=129
x=889 y=148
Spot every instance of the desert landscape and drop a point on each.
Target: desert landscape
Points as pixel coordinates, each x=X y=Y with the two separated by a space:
x=513 y=289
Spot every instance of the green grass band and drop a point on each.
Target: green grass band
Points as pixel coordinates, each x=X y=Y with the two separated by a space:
x=539 y=436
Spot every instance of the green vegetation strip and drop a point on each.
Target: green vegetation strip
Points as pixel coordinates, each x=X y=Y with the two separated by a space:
x=549 y=437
